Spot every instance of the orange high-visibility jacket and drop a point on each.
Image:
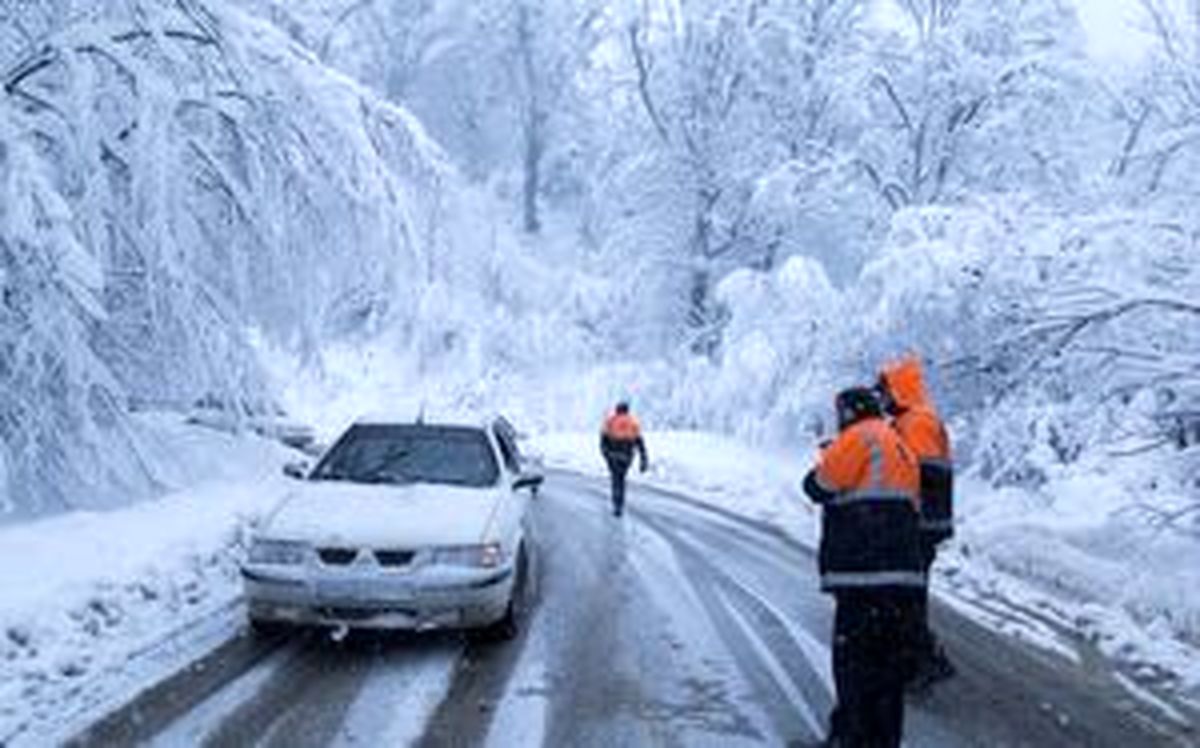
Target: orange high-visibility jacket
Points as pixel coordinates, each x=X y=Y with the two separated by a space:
x=620 y=435
x=622 y=427
x=868 y=483
x=925 y=434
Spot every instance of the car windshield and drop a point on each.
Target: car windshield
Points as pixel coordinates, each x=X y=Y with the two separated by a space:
x=400 y=454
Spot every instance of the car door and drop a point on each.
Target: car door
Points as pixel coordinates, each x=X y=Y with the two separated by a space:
x=515 y=502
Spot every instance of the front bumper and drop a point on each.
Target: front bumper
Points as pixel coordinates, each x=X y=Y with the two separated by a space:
x=420 y=600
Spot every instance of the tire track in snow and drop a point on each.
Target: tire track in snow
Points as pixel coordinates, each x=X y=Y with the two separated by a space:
x=805 y=658
x=625 y=654
x=465 y=714
x=287 y=688
x=305 y=703
x=155 y=708
x=777 y=667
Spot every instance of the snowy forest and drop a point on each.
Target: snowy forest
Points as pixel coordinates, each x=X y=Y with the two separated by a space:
x=224 y=220
x=724 y=209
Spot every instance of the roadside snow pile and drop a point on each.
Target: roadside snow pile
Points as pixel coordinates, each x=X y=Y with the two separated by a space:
x=1080 y=552
x=86 y=593
x=755 y=482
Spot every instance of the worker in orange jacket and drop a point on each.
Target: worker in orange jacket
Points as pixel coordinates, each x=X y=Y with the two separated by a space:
x=902 y=388
x=867 y=482
x=620 y=436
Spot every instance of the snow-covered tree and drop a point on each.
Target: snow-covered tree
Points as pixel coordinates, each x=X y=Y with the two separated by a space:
x=207 y=177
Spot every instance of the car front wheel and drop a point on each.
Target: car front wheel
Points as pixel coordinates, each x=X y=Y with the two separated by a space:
x=509 y=625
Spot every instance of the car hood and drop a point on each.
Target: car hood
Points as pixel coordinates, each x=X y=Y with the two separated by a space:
x=412 y=516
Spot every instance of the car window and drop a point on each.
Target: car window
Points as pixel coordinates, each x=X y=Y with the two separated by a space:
x=400 y=454
x=510 y=433
x=508 y=449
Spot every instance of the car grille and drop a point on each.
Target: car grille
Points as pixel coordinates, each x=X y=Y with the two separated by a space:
x=337 y=556
x=394 y=558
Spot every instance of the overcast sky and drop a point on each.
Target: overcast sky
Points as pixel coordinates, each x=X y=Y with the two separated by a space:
x=1116 y=29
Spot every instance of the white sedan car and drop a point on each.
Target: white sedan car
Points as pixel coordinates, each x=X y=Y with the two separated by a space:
x=400 y=526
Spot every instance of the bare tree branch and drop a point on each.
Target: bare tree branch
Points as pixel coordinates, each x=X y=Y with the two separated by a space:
x=202 y=19
x=180 y=34
x=894 y=194
x=962 y=114
x=1165 y=519
x=1054 y=334
x=341 y=19
x=31 y=65
x=643 y=71
x=1131 y=139
x=905 y=119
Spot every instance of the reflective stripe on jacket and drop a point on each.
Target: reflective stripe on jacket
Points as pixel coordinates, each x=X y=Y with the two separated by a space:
x=867 y=482
x=925 y=434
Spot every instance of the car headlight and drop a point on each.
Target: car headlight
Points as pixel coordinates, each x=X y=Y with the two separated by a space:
x=483 y=556
x=276 y=552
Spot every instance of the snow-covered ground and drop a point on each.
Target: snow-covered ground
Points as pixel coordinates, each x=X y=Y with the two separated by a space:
x=90 y=598
x=1074 y=554
x=103 y=603
x=1067 y=561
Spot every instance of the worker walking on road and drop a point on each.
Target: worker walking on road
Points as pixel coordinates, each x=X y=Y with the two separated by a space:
x=902 y=386
x=619 y=437
x=867 y=482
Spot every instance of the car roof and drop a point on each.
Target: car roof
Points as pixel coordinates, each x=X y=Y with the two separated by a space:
x=428 y=417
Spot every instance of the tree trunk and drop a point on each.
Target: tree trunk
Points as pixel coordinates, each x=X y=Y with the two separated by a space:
x=533 y=159
x=533 y=123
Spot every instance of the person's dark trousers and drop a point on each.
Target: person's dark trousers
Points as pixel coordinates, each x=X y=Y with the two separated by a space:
x=873 y=638
x=617 y=469
x=926 y=645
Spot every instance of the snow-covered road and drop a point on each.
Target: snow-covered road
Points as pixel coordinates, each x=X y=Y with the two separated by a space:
x=681 y=625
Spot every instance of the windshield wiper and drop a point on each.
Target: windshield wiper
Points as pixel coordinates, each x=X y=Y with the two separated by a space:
x=387 y=476
x=333 y=475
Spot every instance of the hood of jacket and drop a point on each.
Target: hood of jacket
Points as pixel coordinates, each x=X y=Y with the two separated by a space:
x=905 y=380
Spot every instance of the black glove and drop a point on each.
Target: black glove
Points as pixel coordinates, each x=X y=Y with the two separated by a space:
x=643 y=467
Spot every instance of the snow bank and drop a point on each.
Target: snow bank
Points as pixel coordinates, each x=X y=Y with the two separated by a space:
x=1079 y=551
x=83 y=594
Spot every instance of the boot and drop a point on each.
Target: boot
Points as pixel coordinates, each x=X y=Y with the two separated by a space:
x=931 y=670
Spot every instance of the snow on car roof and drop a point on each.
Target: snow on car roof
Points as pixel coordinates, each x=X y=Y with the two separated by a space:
x=431 y=416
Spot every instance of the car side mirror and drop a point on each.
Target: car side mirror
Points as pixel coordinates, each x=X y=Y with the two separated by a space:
x=529 y=480
x=297 y=470
x=314 y=448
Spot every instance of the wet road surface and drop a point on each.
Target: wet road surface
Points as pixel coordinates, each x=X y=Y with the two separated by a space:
x=677 y=625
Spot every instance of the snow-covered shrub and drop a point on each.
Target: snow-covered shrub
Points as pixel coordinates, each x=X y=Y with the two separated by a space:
x=769 y=380
x=1103 y=335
